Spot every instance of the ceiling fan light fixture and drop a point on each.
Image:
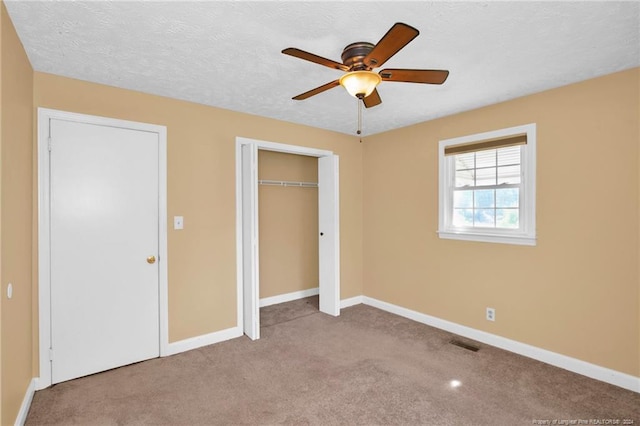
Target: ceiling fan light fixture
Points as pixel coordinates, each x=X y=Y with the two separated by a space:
x=360 y=84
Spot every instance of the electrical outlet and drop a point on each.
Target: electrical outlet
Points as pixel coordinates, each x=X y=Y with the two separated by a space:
x=491 y=314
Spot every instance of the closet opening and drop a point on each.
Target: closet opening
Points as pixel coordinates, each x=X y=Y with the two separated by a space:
x=292 y=209
x=288 y=236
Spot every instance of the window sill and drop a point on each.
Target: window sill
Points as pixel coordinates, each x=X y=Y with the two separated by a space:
x=488 y=238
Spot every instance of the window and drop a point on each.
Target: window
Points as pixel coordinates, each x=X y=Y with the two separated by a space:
x=487 y=186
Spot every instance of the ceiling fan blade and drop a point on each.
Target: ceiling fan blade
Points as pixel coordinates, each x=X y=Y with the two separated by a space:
x=395 y=39
x=414 y=76
x=292 y=51
x=317 y=90
x=373 y=99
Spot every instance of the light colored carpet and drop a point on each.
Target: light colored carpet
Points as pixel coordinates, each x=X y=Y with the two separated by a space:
x=366 y=367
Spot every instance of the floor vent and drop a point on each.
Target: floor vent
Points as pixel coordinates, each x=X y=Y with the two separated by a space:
x=464 y=345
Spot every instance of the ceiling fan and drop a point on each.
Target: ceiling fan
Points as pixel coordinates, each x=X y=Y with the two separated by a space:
x=360 y=58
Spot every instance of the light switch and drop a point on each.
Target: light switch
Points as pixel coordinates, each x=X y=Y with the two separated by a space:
x=9 y=291
x=178 y=222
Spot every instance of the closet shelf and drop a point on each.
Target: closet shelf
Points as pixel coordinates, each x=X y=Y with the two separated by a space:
x=288 y=183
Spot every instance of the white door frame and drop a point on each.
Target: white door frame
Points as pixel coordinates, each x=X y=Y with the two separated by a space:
x=44 y=254
x=333 y=307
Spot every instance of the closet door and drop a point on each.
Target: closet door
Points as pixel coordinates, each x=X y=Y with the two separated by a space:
x=329 y=241
x=250 y=247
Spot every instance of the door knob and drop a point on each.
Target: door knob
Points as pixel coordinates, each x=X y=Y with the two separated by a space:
x=151 y=259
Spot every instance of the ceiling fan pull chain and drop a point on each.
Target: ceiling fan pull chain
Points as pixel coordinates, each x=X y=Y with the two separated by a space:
x=359 y=117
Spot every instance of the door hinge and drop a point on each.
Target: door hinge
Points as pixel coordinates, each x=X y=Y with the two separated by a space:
x=50 y=354
x=49 y=143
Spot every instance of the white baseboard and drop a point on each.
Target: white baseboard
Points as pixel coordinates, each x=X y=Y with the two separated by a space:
x=204 y=340
x=288 y=297
x=232 y=333
x=26 y=403
x=597 y=372
x=345 y=303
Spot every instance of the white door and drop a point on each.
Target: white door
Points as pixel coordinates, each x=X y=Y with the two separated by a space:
x=329 y=241
x=250 y=262
x=104 y=195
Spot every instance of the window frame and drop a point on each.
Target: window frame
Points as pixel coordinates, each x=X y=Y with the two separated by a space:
x=526 y=233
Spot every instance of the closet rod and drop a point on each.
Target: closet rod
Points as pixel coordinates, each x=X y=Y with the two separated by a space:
x=288 y=183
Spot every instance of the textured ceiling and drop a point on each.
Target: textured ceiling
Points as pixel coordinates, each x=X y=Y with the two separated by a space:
x=227 y=53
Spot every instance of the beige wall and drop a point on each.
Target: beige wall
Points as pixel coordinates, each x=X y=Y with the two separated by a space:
x=577 y=291
x=288 y=224
x=201 y=187
x=16 y=118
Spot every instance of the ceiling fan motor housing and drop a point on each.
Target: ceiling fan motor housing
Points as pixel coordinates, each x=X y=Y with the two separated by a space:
x=353 y=55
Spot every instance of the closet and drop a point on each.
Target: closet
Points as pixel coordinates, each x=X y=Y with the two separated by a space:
x=288 y=225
